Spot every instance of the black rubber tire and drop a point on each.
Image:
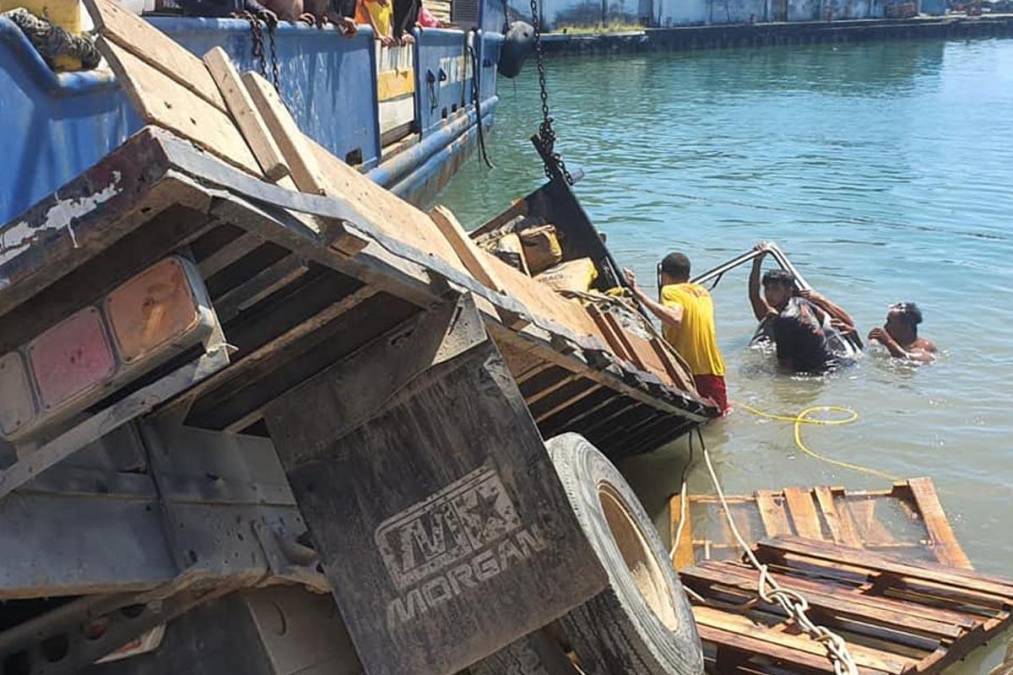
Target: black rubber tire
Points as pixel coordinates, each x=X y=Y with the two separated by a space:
x=622 y=629
x=534 y=654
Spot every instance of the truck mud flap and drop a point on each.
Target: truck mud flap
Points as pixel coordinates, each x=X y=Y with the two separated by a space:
x=429 y=494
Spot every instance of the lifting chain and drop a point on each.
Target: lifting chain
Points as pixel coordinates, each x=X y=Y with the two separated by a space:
x=257 y=51
x=546 y=138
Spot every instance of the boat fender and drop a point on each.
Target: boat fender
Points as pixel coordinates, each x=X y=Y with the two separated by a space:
x=518 y=43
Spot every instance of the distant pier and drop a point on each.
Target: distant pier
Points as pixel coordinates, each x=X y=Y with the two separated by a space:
x=780 y=33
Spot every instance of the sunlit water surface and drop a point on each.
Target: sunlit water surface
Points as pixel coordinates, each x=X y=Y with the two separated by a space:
x=884 y=170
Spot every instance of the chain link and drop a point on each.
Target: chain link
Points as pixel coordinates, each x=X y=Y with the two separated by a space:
x=257 y=49
x=546 y=134
x=275 y=71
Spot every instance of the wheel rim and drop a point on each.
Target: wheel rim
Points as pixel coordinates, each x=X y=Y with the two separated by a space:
x=640 y=560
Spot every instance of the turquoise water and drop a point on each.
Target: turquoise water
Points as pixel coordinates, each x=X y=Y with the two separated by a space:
x=884 y=170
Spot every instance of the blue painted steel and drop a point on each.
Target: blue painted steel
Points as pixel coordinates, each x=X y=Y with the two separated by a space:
x=327 y=80
x=440 y=88
x=421 y=185
x=68 y=122
x=490 y=46
x=55 y=126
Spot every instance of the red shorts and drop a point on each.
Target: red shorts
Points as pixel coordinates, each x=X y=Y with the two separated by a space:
x=713 y=387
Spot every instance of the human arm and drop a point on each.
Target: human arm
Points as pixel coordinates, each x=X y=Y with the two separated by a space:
x=669 y=315
x=922 y=354
x=841 y=320
x=761 y=310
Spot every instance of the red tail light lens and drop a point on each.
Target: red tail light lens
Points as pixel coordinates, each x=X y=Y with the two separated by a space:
x=71 y=358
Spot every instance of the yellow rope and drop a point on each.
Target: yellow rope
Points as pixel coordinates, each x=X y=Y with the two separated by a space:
x=805 y=417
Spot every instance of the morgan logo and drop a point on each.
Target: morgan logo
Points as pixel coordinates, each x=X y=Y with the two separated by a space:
x=446 y=527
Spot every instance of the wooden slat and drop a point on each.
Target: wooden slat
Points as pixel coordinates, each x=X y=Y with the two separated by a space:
x=246 y=115
x=932 y=573
x=612 y=339
x=229 y=253
x=301 y=162
x=448 y=225
x=684 y=552
x=945 y=544
x=621 y=334
x=730 y=640
x=803 y=513
x=587 y=391
x=772 y=514
x=162 y=101
x=472 y=259
x=864 y=657
x=158 y=50
x=680 y=377
x=870 y=530
x=259 y=286
x=842 y=528
x=894 y=614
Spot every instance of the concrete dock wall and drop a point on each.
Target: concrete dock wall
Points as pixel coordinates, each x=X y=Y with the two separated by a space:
x=780 y=33
x=559 y=14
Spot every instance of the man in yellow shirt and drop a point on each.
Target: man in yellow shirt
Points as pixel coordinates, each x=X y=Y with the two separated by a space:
x=687 y=319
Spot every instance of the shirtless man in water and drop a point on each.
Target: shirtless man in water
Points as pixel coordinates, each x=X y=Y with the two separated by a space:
x=900 y=334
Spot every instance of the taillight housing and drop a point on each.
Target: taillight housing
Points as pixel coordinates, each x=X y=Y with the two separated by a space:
x=140 y=325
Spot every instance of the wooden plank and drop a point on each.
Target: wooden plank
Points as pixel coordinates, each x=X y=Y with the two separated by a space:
x=612 y=339
x=675 y=371
x=865 y=657
x=725 y=639
x=229 y=253
x=448 y=225
x=772 y=514
x=588 y=388
x=683 y=555
x=803 y=513
x=118 y=24
x=870 y=530
x=472 y=259
x=259 y=286
x=162 y=101
x=945 y=544
x=894 y=614
x=620 y=332
x=301 y=161
x=245 y=113
x=869 y=560
x=842 y=528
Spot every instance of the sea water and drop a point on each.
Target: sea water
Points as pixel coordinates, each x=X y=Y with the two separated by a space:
x=884 y=170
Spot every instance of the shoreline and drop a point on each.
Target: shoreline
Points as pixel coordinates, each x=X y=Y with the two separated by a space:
x=684 y=38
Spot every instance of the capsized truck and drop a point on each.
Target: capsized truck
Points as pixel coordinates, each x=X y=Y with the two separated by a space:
x=248 y=428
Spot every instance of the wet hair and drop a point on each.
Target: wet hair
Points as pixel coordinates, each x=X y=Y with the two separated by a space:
x=778 y=277
x=800 y=344
x=908 y=313
x=676 y=265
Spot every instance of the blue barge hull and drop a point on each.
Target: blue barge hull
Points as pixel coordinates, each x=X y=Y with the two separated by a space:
x=58 y=125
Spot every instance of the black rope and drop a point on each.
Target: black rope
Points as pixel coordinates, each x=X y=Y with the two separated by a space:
x=476 y=93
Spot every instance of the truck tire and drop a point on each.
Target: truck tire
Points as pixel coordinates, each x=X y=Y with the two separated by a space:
x=641 y=624
x=534 y=654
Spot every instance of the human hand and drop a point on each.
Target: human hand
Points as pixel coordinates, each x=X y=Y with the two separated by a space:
x=386 y=40
x=347 y=26
x=880 y=335
x=407 y=39
x=841 y=327
x=811 y=295
x=268 y=17
x=630 y=277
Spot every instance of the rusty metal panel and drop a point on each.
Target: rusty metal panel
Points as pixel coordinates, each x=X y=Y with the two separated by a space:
x=429 y=494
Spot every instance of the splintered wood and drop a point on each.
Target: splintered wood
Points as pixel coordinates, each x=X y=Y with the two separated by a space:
x=896 y=616
x=907 y=519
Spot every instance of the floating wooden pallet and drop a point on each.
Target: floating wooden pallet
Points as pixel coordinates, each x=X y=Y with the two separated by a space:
x=906 y=519
x=896 y=616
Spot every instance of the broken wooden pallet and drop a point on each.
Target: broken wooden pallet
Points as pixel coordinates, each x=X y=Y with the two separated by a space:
x=906 y=519
x=897 y=616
